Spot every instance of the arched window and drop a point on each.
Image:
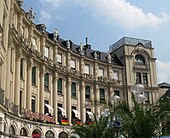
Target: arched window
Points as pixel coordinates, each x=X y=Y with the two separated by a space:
x=63 y=135
x=36 y=133
x=23 y=132
x=12 y=130
x=49 y=134
x=139 y=59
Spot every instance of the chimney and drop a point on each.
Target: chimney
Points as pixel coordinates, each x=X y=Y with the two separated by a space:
x=86 y=40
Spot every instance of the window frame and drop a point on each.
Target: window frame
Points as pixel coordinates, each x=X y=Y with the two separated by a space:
x=102 y=96
x=73 y=89
x=87 y=92
x=59 y=88
x=47 y=82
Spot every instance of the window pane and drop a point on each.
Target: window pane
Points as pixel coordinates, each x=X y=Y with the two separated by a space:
x=145 y=79
x=102 y=95
x=87 y=95
x=73 y=89
x=138 y=78
x=22 y=69
x=59 y=86
x=46 y=51
x=59 y=58
x=139 y=59
x=33 y=104
x=46 y=81
x=115 y=75
x=34 y=76
x=87 y=69
x=101 y=72
x=116 y=93
x=73 y=64
x=146 y=97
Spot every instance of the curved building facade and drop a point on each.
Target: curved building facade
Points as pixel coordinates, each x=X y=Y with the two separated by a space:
x=48 y=83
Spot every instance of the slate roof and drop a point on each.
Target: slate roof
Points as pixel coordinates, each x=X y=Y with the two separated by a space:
x=167 y=94
x=164 y=85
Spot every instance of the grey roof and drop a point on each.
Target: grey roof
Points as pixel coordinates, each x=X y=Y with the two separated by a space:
x=167 y=94
x=164 y=85
x=130 y=41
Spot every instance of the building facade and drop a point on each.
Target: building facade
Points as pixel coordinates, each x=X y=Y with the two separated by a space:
x=48 y=83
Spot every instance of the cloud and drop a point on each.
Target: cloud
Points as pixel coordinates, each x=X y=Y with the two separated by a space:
x=52 y=3
x=163 y=71
x=123 y=13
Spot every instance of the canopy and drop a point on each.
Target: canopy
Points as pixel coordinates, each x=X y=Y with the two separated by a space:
x=90 y=114
x=77 y=114
x=63 y=111
x=50 y=108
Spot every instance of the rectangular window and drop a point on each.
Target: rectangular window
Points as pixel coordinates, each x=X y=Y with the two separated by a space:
x=145 y=79
x=34 y=76
x=22 y=69
x=59 y=58
x=138 y=78
x=146 y=97
x=46 y=51
x=73 y=116
x=59 y=86
x=33 y=103
x=115 y=75
x=102 y=95
x=45 y=107
x=87 y=93
x=46 y=81
x=34 y=43
x=73 y=64
x=116 y=93
x=73 y=89
x=101 y=72
x=20 y=102
x=87 y=69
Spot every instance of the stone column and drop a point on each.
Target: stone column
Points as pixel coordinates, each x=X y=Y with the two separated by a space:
x=82 y=103
x=41 y=101
x=55 y=78
x=29 y=83
x=97 y=99
x=69 y=99
x=17 y=77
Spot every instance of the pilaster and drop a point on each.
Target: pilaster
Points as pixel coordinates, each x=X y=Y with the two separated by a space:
x=55 y=78
x=41 y=103
x=69 y=99
x=82 y=104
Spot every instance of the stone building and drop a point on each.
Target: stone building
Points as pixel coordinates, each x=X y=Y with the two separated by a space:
x=48 y=83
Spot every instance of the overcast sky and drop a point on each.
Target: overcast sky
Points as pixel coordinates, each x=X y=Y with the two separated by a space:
x=106 y=21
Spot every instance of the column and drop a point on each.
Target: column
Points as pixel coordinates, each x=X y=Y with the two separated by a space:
x=55 y=78
x=29 y=84
x=97 y=99
x=69 y=99
x=41 y=101
x=17 y=78
x=82 y=104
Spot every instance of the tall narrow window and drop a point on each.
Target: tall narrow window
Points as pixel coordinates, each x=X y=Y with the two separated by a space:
x=145 y=79
x=46 y=51
x=59 y=58
x=73 y=116
x=73 y=64
x=115 y=75
x=33 y=103
x=59 y=86
x=138 y=78
x=87 y=69
x=102 y=95
x=73 y=89
x=20 y=102
x=87 y=94
x=101 y=72
x=46 y=110
x=34 y=41
x=146 y=97
x=46 y=81
x=34 y=76
x=22 y=69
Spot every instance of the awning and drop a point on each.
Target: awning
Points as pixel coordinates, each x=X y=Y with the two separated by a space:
x=90 y=114
x=77 y=114
x=49 y=108
x=63 y=111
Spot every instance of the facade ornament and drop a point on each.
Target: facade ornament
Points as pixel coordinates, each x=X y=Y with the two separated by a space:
x=55 y=35
x=20 y=2
x=31 y=15
x=43 y=28
x=68 y=44
x=109 y=57
x=95 y=55
x=81 y=49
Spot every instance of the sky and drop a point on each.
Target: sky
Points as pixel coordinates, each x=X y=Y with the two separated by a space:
x=106 y=21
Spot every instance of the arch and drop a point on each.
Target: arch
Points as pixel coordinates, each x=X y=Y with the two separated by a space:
x=139 y=59
x=49 y=134
x=36 y=133
x=63 y=135
x=23 y=132
x=12 y=130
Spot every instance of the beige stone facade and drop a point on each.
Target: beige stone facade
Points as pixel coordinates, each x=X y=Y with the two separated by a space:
x=41 y=73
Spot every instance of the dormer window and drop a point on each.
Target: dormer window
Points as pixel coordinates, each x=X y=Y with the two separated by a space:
x=139 y=59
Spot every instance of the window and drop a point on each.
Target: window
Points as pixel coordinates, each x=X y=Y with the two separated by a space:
x=73 y=116
x=87 y=93
x=115 y=75
x=45 y=107
x=73 y=89
x=145 y=79
x=88 y=117
x=59 y=58
x=101 y=72
x=59 y=112
x=102 y=95
x=34 y=76
x=33 y=103
x=87 y=69
x=139 y=59
x=138 y=78
x=46 y=81
x=22 y=69
x=146 y=97
x=46 y=51
x=117 y=93
x=20 y=102
x=73 y=64
x=34 y=41
x=59 y=86
x=23 y=132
